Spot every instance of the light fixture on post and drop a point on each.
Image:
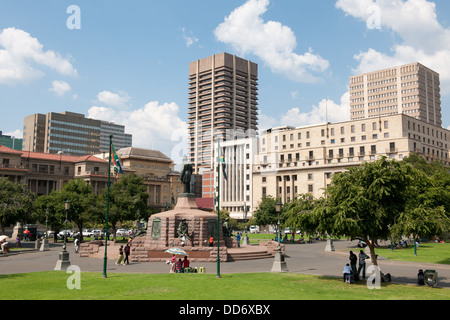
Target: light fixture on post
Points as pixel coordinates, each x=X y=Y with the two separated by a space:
x=245 y=241
x=279 y=265
x=44 y=245
x=63 y=262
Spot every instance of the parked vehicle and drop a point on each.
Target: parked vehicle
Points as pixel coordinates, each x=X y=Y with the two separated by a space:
x=121 y=233
x=97 y=233
x=253 y=229
x=68 y=233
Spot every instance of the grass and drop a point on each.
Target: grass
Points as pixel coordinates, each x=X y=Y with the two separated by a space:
x=52 y=285
x=428 y=252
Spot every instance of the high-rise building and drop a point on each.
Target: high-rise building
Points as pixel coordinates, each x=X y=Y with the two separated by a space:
x=223 y=92
x=10 y=142
x=412 y=89
x=71 y=133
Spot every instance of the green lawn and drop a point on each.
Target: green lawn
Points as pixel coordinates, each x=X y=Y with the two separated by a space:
x=52 y=285
x=428 y=252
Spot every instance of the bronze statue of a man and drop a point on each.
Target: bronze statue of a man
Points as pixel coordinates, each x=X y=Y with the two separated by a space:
x=186 y=174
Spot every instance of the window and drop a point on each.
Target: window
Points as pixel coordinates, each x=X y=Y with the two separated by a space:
x=386 y=125
x=310 y=188
x=353 y=129
x=363 y=127
x=373 y=149
x=310 y=176
x=374 y=125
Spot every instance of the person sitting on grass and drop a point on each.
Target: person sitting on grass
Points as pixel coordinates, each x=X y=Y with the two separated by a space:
x=179 y=266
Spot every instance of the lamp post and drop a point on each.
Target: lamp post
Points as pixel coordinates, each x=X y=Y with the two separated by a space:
x=245 y=241
x=63 y=262
x=44 y=245
x=279 y=264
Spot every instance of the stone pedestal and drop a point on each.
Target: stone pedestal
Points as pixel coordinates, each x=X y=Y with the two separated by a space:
x=279 y=264
x=63 y=262
x=162 y=234
x=44 y=245
x=329 y=247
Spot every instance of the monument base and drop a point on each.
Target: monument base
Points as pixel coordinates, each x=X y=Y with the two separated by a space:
x=279 y=265
x=63 y=262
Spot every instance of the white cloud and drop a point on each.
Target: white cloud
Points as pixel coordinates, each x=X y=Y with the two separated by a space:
x=274 y=43
x=21 y=54
x=18 y=134
x=154 y=126
x=60 y=88
x=425 y=40
x=325 y=110
x=118 y=100
x=189 y=37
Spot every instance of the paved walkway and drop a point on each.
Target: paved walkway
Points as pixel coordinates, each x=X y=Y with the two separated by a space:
x=300 y=258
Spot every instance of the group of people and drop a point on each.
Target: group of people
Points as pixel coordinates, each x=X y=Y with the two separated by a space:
x=124 y=253
x=178 y=266
x=351 y=271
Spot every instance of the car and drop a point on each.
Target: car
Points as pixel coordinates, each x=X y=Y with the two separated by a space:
x=253 y=229
x=87 y=233
x=68 y=233
x=121 y=233
x=97 y=233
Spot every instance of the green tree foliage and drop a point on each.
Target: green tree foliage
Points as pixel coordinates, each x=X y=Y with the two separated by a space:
x=16 y=203
x=297 y=214
x=127 y=198
x=364 y=201
x=266 y=214
x=84 y=205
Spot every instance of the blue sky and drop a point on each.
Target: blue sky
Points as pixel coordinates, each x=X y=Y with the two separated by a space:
x=128 y=61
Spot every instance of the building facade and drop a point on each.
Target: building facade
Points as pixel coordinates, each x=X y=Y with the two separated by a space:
x=43 y=172
x=71 y=133
x=10 y=142
x=158 y=173
x=412 y=89
x=236 y=190
x=223 y=92
x=293 y=161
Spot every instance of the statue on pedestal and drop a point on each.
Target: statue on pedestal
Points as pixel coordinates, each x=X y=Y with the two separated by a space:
x=226 y=228
x=186 y=174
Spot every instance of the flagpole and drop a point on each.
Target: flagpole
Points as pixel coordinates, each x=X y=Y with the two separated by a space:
x=105 y=259
x=218 y=208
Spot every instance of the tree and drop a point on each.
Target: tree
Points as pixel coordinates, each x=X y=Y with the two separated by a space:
x=427 y=209
x=365 y=200
x=84 y=205
x=266 y=214
x=127 y=200
x=16 y=203
x=297 y=214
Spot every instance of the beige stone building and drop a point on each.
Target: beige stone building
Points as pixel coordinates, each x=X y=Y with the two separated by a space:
x=158 y=172
x=293 y=161
x=43 y=172
x=223 y=92
x=411 y=89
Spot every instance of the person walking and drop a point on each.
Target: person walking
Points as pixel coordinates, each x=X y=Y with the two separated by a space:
x=120 y=259
x=353 y=260
x=362 y=263
x=238 y=239
x=127 y=253
x=18 y=244
x=75 y=242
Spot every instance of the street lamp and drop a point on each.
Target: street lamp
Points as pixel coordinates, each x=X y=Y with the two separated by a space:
x=279 y=265
x=245 y=241
x=44 y=245
x=63 y=262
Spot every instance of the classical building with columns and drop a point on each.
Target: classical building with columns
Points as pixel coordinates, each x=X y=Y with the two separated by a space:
x=293 y=161
x=44 y=172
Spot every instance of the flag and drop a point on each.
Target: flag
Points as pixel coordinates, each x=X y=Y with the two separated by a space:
x=115 y=160
x=224 y=167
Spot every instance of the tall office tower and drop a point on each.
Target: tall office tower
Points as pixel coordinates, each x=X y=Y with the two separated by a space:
x=70 y=133
x=223 y=92
x=411 y=89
